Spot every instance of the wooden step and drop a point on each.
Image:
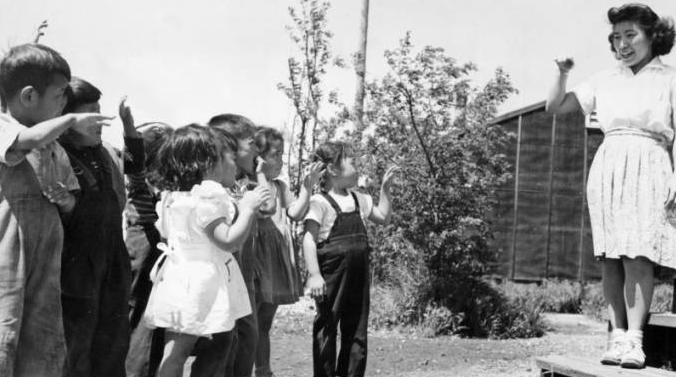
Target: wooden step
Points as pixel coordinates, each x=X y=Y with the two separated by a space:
x=576 y=366
x=662 y=320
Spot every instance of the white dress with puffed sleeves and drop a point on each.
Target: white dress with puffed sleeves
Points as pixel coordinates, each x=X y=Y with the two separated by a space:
x=198 y=288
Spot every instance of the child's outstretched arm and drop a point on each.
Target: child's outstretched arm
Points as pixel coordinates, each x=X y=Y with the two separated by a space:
x=315 y=283
x=297 y=210
x=383 y=212
x=45 y=132
x=232 y=236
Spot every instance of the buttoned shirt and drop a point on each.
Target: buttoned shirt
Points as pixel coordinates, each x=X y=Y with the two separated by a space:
x=624 y=100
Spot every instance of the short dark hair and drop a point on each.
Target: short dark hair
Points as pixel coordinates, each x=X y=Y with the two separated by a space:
x=238 y=126
x=30 y=64
x=332 y=152
x=153 y=133
x=264 y=137
x=660 y=30
x=80 y=92
x=228 y=140
x=186 y=155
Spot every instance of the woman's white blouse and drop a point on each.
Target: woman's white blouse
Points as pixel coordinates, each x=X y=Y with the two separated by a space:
x=624 y=100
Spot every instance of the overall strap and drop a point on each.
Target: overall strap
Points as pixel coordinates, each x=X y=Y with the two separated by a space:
x=356 y=202
x=333 y=203
x=88 y=176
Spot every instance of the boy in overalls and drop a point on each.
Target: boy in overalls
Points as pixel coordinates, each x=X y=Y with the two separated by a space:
x=96 y=271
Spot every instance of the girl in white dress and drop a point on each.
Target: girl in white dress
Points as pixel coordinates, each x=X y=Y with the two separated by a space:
x=631 y=184
x=198 y=288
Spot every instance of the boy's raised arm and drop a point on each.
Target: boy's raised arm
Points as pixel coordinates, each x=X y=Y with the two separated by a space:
x=45 y=132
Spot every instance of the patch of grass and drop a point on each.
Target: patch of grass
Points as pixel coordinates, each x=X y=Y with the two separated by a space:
x=557 y=296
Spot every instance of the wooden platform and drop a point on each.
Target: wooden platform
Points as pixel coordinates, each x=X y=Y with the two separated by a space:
x=659 y=340
x=575 y=366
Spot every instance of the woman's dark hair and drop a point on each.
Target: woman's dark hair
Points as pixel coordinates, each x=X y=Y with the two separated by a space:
x=332 y=152
x=80 y=92
x=264 y=137
x=660 y=30
x=186 y=155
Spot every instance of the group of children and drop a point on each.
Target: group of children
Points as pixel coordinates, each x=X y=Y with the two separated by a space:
x=127 y=263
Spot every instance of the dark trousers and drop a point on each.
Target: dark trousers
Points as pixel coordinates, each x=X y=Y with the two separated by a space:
x=97 y=333
x=353 y=320
x=243 y=352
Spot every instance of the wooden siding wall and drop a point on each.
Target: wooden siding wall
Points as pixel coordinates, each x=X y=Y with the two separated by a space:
x=541 y=221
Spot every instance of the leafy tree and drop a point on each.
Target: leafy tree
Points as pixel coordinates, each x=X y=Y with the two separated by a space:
x=426 y=116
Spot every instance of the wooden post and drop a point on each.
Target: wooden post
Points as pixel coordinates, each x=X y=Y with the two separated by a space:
x=673 y=298
x=360 y=66
x=550 y=195
x=585 y=154
x=515 y=222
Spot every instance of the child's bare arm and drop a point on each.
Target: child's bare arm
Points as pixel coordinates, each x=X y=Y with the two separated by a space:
x=299 y=207
x=45 y=132
x=232 y=236
x=383 y=212
x=316 y=282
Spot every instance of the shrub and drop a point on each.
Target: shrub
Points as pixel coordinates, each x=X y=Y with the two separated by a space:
x=521 y=317
x=557 y=296
x=662 y=298
x=593 y=304
x=438 y=320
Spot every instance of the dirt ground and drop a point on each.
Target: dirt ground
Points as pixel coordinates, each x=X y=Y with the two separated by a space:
x=392 y=353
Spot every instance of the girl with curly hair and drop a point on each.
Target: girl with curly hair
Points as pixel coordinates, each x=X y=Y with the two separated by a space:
x=631 y=185
x=198 y=287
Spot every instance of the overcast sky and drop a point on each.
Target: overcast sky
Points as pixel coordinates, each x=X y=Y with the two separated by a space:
x=184 y=61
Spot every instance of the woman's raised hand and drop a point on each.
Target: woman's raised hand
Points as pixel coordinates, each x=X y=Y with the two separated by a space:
x=565 y=64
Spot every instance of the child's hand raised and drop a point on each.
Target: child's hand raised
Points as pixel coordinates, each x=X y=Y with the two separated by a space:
x=388 y=176
x=89 y=124
x=261 y=165
x=313 y=173
x=255 y=198
x=127 y=118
